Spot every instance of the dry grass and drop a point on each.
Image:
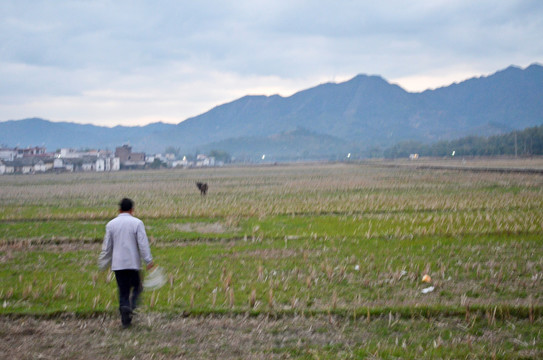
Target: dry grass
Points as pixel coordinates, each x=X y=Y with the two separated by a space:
x=348 y=240
x=532 y=163
x=259 y=192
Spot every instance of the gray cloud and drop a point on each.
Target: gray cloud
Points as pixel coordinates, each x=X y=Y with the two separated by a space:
x=181 y=58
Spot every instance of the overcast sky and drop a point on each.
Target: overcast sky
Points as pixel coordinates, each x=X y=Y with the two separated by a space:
x=135 y=62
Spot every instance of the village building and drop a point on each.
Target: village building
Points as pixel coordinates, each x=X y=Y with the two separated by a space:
x=108 y=164
x=69 y=153
x=204 y=160
x=31 y=151
x=58 y=163
x=36 y=160
x=182 y=163
x=29 y=165
x=129 y=159
x=89 y=160
x=88 y=163
x=6 y=168
x=7 y=154
x=10 y=154
x=43 y=166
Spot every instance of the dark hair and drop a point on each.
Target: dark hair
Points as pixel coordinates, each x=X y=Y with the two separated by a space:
x=126 y=204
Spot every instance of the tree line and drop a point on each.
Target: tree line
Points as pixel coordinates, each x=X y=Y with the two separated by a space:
x=525 y=142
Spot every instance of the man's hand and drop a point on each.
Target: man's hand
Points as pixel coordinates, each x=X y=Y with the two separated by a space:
x=150 y=265
x=104 y=261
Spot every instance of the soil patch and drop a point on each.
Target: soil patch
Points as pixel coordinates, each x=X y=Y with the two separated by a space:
x=160 y=336
x=157 y=336
x=204 y=228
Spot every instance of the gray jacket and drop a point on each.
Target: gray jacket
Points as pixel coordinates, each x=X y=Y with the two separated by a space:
x=125 y=244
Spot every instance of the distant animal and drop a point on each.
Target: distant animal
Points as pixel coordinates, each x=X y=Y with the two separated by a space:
x=202 y=187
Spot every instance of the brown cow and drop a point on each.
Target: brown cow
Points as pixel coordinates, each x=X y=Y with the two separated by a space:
x=202 y=187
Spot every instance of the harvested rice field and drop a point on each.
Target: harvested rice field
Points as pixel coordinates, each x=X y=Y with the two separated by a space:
x=309 y=261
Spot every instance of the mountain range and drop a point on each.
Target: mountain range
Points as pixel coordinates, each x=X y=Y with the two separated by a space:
x=362 y=116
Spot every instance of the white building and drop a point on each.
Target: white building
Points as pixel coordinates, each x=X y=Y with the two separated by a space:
x=27 y=169
x=58 y=163
x=6 y=168
x=107 y=164
x=88 y=166
x=149 y=159
x=203 y=160
x=92 y=160
x=69 y=154
x=40 y=167
x=115 y=164
x=100 y=164
x=8 y=154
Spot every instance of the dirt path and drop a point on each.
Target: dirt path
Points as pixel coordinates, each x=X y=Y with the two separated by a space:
x=156 y=336
x=159 y=337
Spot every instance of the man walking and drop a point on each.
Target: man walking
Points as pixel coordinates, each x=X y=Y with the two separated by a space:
x=125 y=244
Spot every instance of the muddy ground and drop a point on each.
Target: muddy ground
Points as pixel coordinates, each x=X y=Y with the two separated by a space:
x=162 y=337
x=157 y=336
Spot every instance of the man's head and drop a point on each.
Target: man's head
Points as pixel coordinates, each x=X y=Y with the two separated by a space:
x=126 y=205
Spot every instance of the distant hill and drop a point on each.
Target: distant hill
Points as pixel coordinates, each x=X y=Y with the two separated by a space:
x=298 y=144
x=55 y=135
x=364 y=115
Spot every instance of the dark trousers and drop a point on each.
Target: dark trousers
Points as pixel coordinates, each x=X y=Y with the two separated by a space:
x=130 y=288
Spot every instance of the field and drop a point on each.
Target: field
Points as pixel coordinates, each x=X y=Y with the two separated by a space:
x=307 y=261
